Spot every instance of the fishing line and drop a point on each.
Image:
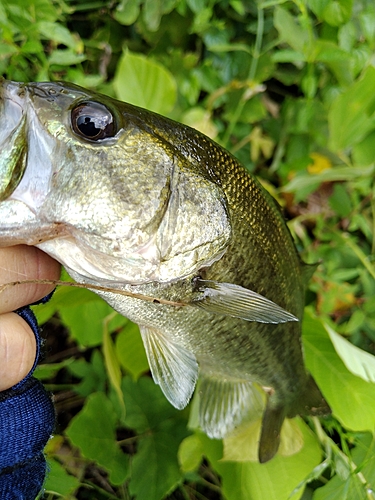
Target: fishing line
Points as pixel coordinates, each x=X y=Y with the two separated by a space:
x=126 y=293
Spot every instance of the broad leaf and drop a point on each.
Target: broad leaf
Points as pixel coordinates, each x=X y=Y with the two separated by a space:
x=336 y=489
x=143 y=82
x=59 y=481
x=85 y=321
x=334 y=12
x=354 y=487
x=357 y=361
x=146 y=405
x=159 y=451
x=60 y=34
x=161 y=428
x=190 y=453
x=351 y=486
x=274 y=480
x=243 y=445
x=93 y=374
x=351 y=116
x=351 y=398
x=290 y=31
x=127 y=11
x=93 y=431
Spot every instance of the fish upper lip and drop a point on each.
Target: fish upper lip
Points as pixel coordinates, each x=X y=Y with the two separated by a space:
x=12 y=106
x=17 y=110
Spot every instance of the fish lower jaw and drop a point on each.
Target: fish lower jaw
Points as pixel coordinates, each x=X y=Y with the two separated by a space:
x=130 y=268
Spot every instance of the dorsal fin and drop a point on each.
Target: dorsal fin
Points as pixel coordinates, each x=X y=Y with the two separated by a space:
x=172 y=366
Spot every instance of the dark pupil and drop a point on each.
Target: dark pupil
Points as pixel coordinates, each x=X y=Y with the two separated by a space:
x=87 y=126
x=93 y=121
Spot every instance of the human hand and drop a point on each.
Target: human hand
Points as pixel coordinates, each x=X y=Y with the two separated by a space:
x=17 y=341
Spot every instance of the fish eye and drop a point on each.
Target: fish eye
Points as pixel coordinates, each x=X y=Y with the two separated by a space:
x=93 y=121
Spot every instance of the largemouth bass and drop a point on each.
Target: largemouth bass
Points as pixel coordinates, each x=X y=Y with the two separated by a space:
x=134 y=202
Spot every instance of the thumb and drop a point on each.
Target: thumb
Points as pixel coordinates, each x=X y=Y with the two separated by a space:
x=17 y=350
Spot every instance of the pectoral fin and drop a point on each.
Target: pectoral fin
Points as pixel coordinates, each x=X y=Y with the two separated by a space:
x=237 y=301
x=224 y=404
x=174 y=368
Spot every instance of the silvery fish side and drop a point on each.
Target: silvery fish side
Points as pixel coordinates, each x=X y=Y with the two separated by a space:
x=130 y=200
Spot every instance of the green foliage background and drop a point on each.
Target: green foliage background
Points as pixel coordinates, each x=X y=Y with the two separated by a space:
x=288 y=87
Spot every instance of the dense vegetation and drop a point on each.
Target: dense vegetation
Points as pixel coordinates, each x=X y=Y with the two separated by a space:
x=288 y=87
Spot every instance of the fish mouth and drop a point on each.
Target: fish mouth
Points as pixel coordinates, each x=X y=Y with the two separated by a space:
x=13 y=142
x=19 y=193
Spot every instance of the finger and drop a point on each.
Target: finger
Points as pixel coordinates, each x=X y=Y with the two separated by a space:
x=17 y=350
x=19 y=263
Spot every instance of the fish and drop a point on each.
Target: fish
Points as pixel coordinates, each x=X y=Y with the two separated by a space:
x=176 y=235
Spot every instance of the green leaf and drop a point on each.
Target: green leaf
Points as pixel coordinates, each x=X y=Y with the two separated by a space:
x=352 y=114
x=231 y=47
x=92 y=373
x=130 y=350
x=152 y=12
x=197 y=5
x=238 y=6
x=327 y=52
x=127 y=11
x=243 y=445
x=351 y=487
x=338 y=60
x=363 y=456
x=367 y=21
x=146 y=83
x=274 y=480
x=288 y=55
x=49 y=370
x=32 y=47
x=340 y=201
x=93 y=431
x=6 y=50
x=351 y=398
x=357 y=361
x=190 y=453
x=334 y=12
x=59 y=34
x=146 y=405
x=337 y=489
x=163 y=429
x=201 y=120
x=64 y=296
x=85 y=321
x=305 y=180
x=59 y=481
x=66 y=57
x=363 y=152
x=157 y=452
x=290 y=31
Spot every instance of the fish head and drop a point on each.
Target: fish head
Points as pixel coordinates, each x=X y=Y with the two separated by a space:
x=90 y=181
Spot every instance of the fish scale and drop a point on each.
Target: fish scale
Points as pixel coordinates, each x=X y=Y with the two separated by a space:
x=137 y=203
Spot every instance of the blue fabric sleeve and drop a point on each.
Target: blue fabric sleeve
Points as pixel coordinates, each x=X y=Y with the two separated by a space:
x=27 y=419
